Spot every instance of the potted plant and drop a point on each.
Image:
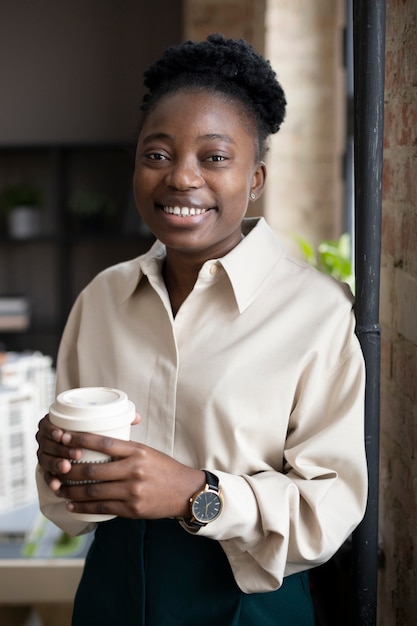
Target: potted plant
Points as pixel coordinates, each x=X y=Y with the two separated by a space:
x=332 y=257
x=20 y=204
x=92 y=211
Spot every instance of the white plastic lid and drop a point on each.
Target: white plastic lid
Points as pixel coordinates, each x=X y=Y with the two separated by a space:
x=91 y=409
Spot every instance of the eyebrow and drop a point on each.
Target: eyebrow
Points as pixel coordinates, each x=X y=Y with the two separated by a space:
x=220 y=136
x=206 y=137
x=153 y=136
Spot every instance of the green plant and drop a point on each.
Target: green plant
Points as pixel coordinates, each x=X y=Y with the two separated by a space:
x=331 y=257
x=21 y=194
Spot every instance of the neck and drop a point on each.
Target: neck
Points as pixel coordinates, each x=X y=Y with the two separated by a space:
x=180 y=278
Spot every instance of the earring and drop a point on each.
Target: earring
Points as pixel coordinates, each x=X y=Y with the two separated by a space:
x=252 y=196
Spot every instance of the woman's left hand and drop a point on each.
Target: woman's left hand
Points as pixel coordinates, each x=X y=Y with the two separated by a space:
x=140 y=482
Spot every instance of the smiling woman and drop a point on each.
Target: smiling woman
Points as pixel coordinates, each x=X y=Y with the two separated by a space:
x=196 y=167
x=247 y=467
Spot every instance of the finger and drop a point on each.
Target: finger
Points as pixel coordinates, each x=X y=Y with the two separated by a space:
x=94 y=491
x=49 y=430
x=54 y=465
x=56 y=458
x=99 y=443
x=137 y=419
x=53 y=482
x=44 y=423
x=102 y=507
x=105 y=498
x=47 y=446
x=111 y=471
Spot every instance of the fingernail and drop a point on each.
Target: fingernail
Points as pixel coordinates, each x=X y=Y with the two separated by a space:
x=75 y=454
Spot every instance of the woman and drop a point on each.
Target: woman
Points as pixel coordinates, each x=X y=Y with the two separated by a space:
x=242 y=363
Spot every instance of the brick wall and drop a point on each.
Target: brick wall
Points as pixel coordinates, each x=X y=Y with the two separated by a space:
x=232 y=18
x=304 y=41
x=398 y=520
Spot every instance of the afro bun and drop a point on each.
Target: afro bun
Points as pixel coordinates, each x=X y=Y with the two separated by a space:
x=230 y=66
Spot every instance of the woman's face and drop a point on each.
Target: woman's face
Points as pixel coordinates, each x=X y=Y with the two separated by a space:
x=195 y=169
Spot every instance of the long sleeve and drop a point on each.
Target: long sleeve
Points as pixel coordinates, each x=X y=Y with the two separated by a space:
x=276 y=523
x=52 y=506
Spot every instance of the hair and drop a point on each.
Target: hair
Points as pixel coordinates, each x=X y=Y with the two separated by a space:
x=228 y=66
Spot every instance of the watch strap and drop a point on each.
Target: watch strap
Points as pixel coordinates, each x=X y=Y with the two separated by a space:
x=212 y=481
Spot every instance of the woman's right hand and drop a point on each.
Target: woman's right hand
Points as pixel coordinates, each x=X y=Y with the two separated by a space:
x=54 y=457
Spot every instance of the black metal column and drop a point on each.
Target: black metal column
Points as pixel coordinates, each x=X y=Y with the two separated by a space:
x=369 y=57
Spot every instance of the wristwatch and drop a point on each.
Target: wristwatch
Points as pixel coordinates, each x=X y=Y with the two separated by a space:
x=205 y=505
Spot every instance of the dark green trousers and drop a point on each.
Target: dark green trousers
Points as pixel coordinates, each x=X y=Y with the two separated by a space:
x=153 y=573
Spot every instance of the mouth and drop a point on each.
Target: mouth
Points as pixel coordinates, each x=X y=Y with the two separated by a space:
x=183 y=211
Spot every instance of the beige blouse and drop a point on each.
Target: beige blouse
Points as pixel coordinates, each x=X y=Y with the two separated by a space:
x=259 y=378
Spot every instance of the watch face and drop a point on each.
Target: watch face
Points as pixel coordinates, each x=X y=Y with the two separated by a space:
x=206 y=506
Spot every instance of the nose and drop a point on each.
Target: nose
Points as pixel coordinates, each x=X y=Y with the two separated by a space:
x=184 y=174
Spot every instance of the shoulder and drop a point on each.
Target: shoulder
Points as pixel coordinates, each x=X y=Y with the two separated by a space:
x=321 y=304
x=264 y=275
x=116 y=282
x=294 y=278
x=315 y=283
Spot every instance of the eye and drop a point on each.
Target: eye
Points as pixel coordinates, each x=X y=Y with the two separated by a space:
x=156 y=156
x=216 y=158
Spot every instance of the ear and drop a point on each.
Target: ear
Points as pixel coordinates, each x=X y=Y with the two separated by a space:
x=258 y=180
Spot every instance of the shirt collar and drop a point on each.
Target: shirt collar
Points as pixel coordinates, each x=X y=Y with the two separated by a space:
x=247 y=266
x=251 y=262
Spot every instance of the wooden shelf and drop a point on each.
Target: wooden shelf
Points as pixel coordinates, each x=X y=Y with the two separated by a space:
x=51 y=268
x=33 y=581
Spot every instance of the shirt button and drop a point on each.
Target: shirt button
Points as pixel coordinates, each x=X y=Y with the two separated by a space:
x=214 y=269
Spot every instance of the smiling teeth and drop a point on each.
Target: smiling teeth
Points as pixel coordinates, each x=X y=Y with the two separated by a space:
x=183 y=211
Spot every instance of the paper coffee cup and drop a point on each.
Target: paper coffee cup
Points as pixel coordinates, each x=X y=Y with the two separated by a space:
x=99 y=410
